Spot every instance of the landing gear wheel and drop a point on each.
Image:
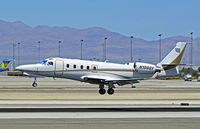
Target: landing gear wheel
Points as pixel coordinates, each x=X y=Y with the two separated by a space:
x=102 y=91
x=34 y=84
x=110 y=91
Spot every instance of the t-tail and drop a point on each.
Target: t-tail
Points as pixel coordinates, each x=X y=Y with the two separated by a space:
x=170 y=64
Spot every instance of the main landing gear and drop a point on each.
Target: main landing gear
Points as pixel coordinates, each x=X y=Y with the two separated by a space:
x=110 y=90
x=34 y=82
x=102 y=91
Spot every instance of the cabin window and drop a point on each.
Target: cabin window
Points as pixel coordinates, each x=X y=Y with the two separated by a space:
x=81 y=66
x=67 y=65
x=74 y=66
x=94 y=68
x=50 y=63
x=88 y=67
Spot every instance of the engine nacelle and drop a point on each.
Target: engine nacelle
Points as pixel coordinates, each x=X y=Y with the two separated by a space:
x=145 y=68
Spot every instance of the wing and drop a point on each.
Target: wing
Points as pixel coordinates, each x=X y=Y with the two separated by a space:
x=106 y=78
x=32 y=75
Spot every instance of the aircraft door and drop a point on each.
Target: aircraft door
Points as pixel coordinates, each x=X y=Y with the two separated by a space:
x=59 y=67
x=134 y=69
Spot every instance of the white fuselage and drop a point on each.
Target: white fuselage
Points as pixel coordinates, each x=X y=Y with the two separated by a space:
x=75 y=69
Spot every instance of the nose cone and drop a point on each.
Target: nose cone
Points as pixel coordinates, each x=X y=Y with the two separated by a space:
x=26 y=68
x=20 y=68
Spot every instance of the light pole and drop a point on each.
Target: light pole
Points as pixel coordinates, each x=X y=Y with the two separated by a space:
x=160 y=47
x=13 y=56
x=81 y=48
x=38 y=51
x=191 y=52
x=131 y=49
x=105 y=48
x=59 y=42
x=18 y=53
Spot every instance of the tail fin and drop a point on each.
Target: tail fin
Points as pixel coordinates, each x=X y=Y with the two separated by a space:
x=174 y=57
x=4 y=63
x=169 y=65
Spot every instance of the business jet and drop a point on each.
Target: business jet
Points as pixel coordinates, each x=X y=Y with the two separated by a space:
x=106 y=73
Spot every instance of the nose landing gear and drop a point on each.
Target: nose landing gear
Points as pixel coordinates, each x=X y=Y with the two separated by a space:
x=34 y=82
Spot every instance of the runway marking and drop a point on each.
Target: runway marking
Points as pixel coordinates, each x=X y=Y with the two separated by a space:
x=101 y=115
x=108 y=109
x=98 y=102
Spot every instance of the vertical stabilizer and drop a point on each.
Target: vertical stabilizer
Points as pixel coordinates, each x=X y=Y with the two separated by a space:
x=175 y=56
x=169 y=65
x=4 y=63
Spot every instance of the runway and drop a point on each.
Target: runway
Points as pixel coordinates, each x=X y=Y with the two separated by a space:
x=100 y=109
x=19 y=88
x=111 y=115
x=62 y=103
x=99 y=114
x=116 y=123
x=100 y=118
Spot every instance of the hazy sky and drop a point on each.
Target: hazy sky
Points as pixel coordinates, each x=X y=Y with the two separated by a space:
x=141 y=18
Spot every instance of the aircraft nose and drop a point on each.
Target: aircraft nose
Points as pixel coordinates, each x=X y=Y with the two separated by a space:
x=19 y=68
x=26 y=68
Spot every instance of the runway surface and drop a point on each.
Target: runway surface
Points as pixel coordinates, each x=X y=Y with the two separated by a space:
x=94 y=114
x=100 y=120
x=62 y=103
x=99 y=114
x=82 y=115
x=19 y=88
x=116 y=123
x=99 y=109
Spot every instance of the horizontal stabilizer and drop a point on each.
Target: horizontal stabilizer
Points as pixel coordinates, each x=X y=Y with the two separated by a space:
x=173 y=64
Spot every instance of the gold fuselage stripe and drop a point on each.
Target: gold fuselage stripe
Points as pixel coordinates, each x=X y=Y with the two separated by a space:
x=91 y=70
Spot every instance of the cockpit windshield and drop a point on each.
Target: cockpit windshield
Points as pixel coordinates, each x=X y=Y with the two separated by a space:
x=50 y=63
x=43 y=62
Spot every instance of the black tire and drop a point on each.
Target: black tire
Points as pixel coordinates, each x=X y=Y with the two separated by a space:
x=111 y=91
x=34 y=84
x=102 y=91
